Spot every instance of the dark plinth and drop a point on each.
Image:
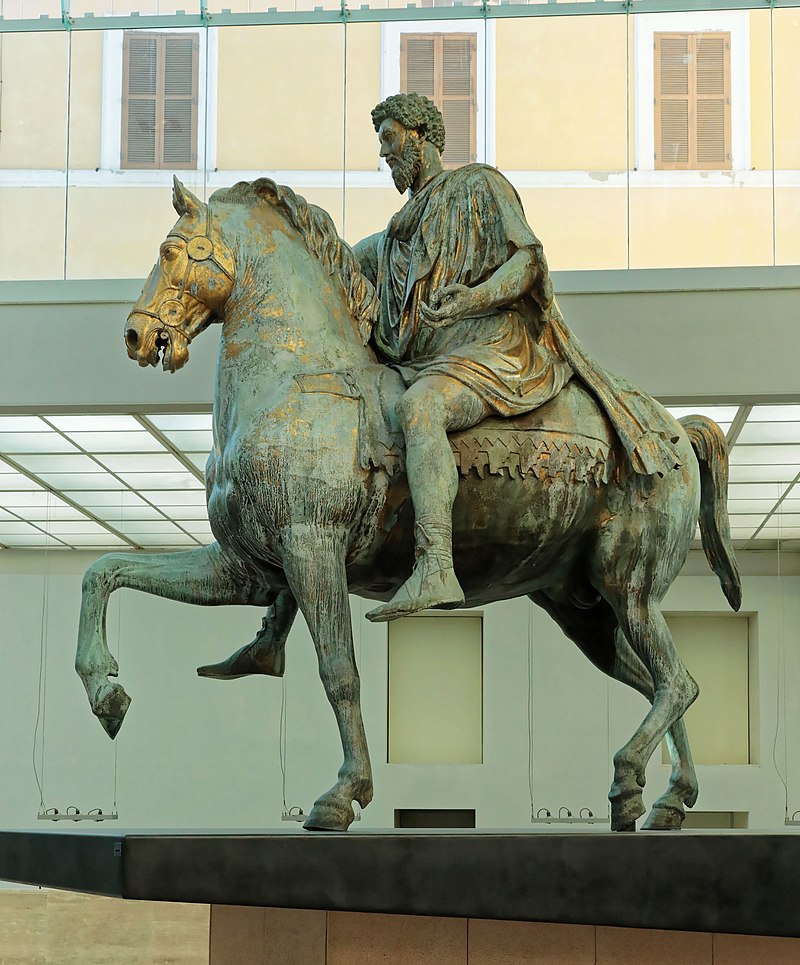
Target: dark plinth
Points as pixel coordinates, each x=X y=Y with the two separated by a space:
x=741 y=882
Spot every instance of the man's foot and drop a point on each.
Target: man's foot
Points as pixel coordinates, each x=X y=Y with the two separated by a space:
x=430 y=585
x=254 y=658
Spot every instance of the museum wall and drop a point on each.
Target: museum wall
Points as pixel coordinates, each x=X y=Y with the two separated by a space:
x=198 y=753
x=563 y=107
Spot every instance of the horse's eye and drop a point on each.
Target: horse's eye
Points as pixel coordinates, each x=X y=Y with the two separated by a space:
x=169 y=254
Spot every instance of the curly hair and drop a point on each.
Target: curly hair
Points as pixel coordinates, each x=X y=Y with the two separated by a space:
x=416 y=113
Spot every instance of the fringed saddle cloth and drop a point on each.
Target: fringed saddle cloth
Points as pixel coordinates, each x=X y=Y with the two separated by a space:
x=548 y=443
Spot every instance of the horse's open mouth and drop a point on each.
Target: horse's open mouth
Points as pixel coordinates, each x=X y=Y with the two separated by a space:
x=162 y=347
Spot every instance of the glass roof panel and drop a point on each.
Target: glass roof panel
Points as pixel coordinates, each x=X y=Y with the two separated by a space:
x=56 y=463
x=87 y=540
x=16 y=481
x=168 y=497
x=774 y=413
x=148 y=526
x=765 y=455
x=12 y=442
x=194 y=440
x=737 y=506
x=199 y=460
x=766 y=432
x=92 y=498
x=778 y=474
x=142 y=463
x=93 y=423
x=41 y=499
x=34 y=538
x=141 y=441
x=42 y=513
x=26 y=423
x=161 y=480
x=78 y=481
x=73 y=528
x=187 y=512
x=17 y=527
x=115 y=515
x=164 y=539
x=719 y=413
x=182 y=421
x=756 y=490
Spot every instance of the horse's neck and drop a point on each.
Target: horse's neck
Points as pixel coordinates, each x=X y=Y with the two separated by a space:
x=285 y=317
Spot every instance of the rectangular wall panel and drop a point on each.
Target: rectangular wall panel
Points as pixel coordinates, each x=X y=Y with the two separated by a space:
x=436 y=690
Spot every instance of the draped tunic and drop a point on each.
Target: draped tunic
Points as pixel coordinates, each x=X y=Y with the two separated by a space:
x=460 y=228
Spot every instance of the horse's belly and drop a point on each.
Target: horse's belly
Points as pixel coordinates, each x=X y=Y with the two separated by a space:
x=510 y=535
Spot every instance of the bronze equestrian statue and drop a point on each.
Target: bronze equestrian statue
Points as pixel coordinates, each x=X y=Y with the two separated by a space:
x=332 y=471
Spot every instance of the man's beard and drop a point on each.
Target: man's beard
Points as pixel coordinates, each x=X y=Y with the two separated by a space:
x=406 y=168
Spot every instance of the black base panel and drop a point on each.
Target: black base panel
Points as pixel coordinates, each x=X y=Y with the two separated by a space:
x=740 y=882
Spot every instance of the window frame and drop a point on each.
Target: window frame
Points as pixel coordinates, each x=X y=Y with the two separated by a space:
x=736 y=24
x=484 y=32
x=111 y=119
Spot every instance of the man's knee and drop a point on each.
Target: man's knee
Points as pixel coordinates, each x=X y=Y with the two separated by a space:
x=419 y=406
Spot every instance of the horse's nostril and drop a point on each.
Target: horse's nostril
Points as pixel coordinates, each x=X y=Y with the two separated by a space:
x=132 y=338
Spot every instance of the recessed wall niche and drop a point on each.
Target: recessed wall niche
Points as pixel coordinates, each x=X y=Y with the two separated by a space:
x=435 y=690
x=716 y=652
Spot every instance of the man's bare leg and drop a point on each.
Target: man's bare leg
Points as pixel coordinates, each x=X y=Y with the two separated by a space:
x=432 y=407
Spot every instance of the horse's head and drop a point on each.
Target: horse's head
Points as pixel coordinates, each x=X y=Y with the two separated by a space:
x=186 y=289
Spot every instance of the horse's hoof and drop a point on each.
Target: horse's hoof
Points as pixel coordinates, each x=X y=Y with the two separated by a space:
x=110 y=709
x=664 y=817
x=250 y=659
x=626 y=808
x=330 y=816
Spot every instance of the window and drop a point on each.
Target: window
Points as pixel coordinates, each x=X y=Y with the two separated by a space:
x=692 y=86
x=443 y=66
x=159 y=100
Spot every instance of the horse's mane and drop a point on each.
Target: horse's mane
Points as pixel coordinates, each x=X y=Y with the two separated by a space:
x=319 y=234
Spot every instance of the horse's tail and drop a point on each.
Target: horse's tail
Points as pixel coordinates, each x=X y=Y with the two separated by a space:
x=708 y=443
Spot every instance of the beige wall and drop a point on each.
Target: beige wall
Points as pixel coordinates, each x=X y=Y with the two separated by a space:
x=560 y=105
x=34 y=101
x=561 y=94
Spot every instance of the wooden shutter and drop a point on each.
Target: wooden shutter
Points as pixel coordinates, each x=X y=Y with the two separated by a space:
x=692 y=101
x=159 y=101
x=444 y=68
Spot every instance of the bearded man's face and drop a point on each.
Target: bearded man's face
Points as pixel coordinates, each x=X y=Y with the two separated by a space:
x=403 y=152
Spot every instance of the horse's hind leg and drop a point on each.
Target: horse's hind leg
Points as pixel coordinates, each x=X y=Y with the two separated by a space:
x=646 y=631
x=597 y=634
x=313 y=561
x=264 y=654
x=200 y=576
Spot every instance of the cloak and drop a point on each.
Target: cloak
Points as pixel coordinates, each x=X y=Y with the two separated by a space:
x=459 y=229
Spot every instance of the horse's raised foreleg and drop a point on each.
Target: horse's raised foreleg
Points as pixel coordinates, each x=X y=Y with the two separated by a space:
x=202 y=576
x=264 y=654
x=313 y=561
x=597 y=634
x=646 y=631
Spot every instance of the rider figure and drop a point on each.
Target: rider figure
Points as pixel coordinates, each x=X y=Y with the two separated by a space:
x=469 y=320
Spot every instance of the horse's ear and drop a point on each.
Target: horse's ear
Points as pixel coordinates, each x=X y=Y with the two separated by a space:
x=266 y=189
x=183 y=200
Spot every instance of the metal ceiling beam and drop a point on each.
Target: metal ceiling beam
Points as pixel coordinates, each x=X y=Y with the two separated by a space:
x=365 y=14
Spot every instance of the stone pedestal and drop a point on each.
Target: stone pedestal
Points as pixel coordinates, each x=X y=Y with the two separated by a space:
x=273 y=936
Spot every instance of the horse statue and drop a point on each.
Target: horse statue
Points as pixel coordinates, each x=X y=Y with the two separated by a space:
x=308 y=501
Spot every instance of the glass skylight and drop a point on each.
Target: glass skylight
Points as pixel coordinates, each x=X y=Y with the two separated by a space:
x=104 y=481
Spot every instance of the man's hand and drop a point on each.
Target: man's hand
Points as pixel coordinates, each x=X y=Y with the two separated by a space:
x=449 y=305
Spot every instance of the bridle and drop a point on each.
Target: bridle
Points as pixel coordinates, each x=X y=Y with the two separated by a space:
x=199 y=249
